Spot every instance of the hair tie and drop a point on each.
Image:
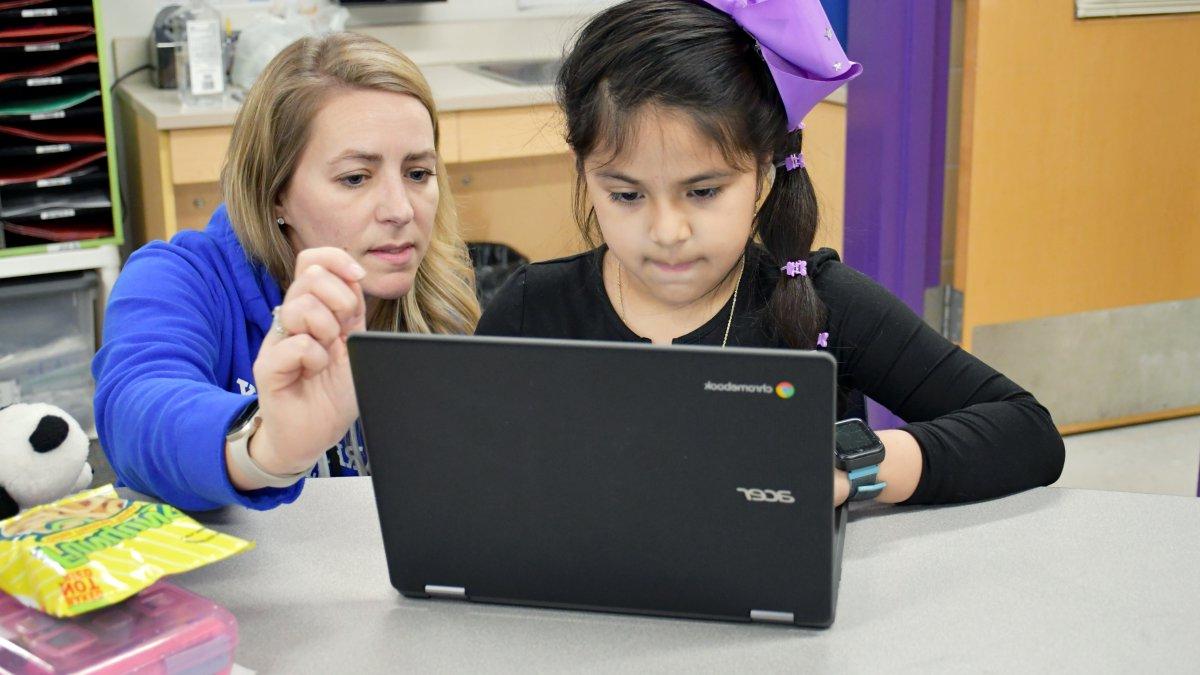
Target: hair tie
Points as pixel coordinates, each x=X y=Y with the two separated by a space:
x=795 y=268
x=823 y=339
x=792 y=162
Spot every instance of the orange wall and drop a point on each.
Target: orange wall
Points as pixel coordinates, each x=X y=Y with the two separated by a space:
x=1079 y=180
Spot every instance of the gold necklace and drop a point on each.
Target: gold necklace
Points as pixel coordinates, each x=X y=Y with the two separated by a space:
x=732 y=305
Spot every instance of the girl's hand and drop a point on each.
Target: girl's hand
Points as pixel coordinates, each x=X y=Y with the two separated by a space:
x=302 y=373
x=841 y=487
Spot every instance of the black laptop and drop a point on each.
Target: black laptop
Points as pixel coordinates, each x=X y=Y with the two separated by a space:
x=676 y=481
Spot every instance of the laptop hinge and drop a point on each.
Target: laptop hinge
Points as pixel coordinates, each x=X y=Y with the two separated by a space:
x=456 y=592
x=768 y=616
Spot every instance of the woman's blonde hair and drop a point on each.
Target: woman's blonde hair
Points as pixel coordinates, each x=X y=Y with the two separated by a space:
x=269 y=136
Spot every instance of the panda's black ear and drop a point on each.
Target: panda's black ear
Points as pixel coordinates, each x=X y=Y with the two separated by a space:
x=50 y=433
x=8 y=507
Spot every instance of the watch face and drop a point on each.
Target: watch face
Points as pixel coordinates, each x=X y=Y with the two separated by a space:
x=855 y=437
x=857 y=445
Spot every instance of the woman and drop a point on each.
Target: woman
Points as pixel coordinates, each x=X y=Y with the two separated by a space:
x=224 y=377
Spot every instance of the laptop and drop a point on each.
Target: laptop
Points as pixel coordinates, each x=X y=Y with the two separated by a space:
x=677 y=481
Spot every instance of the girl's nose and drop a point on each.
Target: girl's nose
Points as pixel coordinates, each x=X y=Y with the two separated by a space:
x=670 y=227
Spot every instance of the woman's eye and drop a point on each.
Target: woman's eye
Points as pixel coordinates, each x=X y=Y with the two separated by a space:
x=705 y=193
x=353 y=180
x=419 y=175
x=624 y=197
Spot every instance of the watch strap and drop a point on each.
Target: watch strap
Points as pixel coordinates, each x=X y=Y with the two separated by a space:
x=864 y=483
x=238 y=454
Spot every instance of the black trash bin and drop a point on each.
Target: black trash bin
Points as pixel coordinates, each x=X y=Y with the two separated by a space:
x=494 y=264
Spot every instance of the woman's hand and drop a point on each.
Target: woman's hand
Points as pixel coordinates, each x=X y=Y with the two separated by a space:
x=302 y=372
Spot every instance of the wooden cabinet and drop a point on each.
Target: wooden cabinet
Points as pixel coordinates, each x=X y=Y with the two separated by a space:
x=511 y=172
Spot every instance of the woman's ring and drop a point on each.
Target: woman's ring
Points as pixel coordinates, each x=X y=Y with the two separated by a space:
x=277 y=324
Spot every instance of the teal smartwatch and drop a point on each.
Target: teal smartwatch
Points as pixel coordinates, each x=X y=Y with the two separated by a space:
x=859 y=453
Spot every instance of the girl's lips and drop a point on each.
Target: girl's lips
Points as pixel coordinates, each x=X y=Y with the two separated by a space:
x=673 y=269
x=394 y=255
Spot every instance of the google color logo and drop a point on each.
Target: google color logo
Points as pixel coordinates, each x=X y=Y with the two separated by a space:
x=785 y=390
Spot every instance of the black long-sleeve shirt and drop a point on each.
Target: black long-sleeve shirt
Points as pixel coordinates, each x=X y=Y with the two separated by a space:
x=981 y=435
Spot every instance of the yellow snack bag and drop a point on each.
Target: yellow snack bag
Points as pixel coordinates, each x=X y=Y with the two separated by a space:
x=94 y=549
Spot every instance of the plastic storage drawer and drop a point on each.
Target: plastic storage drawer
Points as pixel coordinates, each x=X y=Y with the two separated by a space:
x=47 y=340
x=164 y=630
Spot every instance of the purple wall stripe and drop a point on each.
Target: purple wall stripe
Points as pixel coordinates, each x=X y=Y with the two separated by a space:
x=895 y=148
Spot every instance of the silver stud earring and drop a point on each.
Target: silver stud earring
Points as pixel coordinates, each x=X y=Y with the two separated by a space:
x=279 y=222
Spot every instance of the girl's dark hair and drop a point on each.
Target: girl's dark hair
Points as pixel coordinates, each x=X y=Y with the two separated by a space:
x=682 y=56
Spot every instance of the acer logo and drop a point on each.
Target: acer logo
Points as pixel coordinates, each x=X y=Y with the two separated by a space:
x=775 y=496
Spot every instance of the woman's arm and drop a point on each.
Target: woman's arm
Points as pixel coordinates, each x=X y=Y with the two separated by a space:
x=302 y=371
x=977 y=434
x=161 y=414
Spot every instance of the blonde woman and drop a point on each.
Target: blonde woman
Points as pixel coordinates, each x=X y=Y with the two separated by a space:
x=224 y=377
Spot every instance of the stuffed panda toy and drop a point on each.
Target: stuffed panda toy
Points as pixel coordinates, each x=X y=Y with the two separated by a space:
x=43 y=456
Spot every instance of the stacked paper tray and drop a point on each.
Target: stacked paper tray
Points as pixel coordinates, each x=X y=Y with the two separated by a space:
x=54 y=182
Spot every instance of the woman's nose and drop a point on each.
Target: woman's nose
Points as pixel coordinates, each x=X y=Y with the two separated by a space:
x=394 y=206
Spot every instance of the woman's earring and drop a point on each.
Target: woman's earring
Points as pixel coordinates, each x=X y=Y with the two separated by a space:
x=279 y=221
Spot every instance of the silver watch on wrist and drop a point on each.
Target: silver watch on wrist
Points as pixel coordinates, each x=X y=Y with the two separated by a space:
x=237 y=443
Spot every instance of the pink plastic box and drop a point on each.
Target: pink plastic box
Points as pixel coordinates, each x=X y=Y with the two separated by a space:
x=164 y=630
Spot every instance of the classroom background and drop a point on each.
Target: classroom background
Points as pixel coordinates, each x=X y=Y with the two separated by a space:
x=1024 y=174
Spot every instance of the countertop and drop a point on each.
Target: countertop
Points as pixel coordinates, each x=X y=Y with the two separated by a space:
x=440 y=49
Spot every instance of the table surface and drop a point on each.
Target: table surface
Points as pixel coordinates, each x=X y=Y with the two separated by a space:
x=1074 y=580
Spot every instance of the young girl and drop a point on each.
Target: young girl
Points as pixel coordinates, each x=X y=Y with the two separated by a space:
x=224 y=375
x=686 y=129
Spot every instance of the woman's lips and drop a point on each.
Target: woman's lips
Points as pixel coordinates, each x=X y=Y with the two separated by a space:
x=394 y=255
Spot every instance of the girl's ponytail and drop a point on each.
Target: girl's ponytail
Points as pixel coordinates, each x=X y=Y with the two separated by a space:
x=786 y=224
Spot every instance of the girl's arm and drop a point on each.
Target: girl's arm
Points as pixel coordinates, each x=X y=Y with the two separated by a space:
x=901 y=469
x=161 y=415
x=971 y=434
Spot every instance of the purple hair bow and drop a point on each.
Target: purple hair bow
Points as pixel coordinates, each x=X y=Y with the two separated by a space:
x=797 y=42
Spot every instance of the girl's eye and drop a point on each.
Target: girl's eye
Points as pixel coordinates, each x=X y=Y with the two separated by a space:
x=353 y=180
x=624 y=197
x=419 y=175
x=705 y=193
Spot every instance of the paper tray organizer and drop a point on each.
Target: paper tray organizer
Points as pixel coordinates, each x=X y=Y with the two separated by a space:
x=55 y=186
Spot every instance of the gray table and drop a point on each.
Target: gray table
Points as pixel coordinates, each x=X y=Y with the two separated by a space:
x=1070 y=580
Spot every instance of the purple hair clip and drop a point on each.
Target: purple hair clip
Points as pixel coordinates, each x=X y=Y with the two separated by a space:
x=793 y=161
x=795 y=268
x=823 y=340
